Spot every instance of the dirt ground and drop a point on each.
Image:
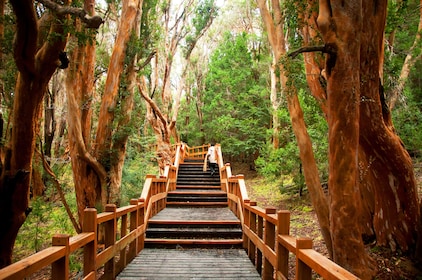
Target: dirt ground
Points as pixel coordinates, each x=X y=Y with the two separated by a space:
x=304 y=223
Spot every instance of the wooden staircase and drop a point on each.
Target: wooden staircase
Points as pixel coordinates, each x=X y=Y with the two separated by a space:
x=196 y=215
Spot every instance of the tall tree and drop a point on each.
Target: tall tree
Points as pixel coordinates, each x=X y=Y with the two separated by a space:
x=274 y=23
x=38 y=45
x=97 y=167
x=184 y=24
x=413 y=55
x=364 y=151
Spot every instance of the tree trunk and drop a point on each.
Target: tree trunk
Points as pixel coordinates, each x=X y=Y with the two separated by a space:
x=80 y=88
x=36 y=66
x=408 y=63
x=275 y=103
x=50 y=123
x=388 y=170
x=127 y=103
x=276 y=38
x=314 y=63
x=343 y=89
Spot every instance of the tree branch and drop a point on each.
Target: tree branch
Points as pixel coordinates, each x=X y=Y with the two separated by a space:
x=90 y=21
x=322 y=49
x=56 y=184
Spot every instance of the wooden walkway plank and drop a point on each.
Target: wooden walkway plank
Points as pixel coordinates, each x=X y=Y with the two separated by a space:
x=196 y=263
x=200 y=213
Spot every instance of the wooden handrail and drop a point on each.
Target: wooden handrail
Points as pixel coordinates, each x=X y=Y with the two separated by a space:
x=267 y=240
x=123 y=236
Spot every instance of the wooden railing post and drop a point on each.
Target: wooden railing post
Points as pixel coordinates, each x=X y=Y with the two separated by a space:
x=110 y=228
x=252 y=246
x=60 y=268
x=260 y=233
x=123 y=256
x=283 y=228
x=246 y=223
x=141 y=221
x=90 y=250
x=269 y=240
x=303 y=271
x=133 y=225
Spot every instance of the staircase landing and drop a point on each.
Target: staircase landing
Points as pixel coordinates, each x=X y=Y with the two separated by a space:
x=198 y=213
x=190 y=264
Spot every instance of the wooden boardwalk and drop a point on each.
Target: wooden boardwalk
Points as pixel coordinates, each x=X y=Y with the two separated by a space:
x=194 y=263
x=196 y=236
x=195 y=214
x=186 y=262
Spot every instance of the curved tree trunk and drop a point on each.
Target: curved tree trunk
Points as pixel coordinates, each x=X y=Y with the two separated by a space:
x=274 y=28
x=36 y=66
x=314 y=62
x=127 y=103
x=343 y=89
x=387 y=170
x=88 y=174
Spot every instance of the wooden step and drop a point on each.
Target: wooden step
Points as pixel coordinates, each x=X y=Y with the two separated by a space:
x=199 y=187
x=196 y=204
x=174 y=242
x=194 y=222
x=194 y=232
x=197 y=192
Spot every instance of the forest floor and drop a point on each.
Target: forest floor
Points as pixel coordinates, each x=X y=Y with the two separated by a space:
x=304 y=223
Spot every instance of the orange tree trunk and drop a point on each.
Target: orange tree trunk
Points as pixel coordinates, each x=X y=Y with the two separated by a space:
x=343 y=122
x=385 y=166
x=103 y=148
x=36 y=66
x=80 y=89
x=274 y=24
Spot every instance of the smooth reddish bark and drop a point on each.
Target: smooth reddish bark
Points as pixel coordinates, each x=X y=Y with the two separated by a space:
x=36 y=64
x=274 y=24
x=343 y=91
x=386 y=167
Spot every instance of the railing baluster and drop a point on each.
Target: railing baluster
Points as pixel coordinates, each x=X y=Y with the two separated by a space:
x=133 y=226
x=109 y=240
x=303 y=271
x=90 y=250
x=283 y=228
x=269 y=240
x=252 y=247
x=141 y=221
x=60 y=268
x=246 y=223
x=123 y=257
x=260 y=232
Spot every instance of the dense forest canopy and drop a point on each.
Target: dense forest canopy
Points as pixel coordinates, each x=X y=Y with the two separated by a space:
x=94 y=95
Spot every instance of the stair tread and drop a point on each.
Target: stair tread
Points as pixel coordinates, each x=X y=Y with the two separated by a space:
x=209 y=204
x=195 y=222
x=194 y=241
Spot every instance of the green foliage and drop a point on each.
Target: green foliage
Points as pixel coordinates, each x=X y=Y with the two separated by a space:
x=47 y=217
x=407 y=115
x=402 y=23
x=236 y=100
x=285 y=161
x=139 y=162
x=204 y=13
